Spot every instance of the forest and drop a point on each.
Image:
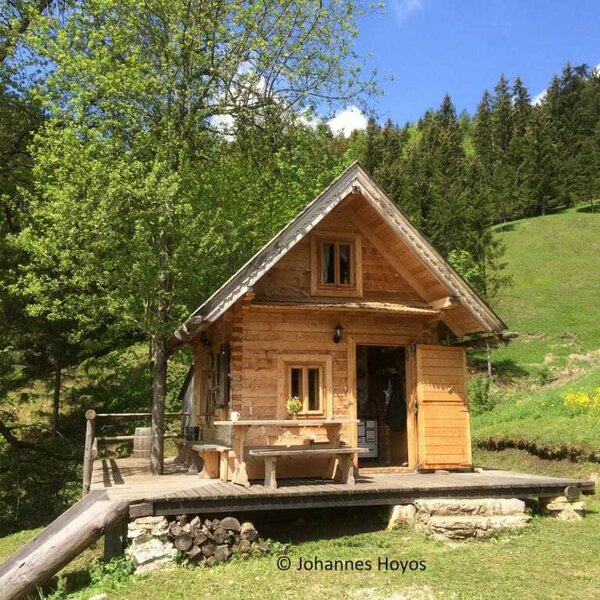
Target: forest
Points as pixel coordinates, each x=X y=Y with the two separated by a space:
x=140 y=166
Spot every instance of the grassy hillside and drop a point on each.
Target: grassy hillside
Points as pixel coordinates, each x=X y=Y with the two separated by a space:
x=544 y=422
x=554 y=262
x=554 y=300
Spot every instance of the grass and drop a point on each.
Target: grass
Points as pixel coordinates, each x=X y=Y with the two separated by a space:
x=552 y=304
x=553 y=300
x=549 y=559
x=76 y=575
x=541 y=418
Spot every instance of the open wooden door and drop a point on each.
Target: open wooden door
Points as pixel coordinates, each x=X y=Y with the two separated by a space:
x=444 y=434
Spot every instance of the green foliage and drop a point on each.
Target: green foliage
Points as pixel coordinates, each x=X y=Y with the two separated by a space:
x=293 y=405
x=481 y=393
x=431 y=172
x=464 y=264
x=112 y=574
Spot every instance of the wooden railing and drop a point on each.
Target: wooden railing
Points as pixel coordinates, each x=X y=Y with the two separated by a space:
x=91 y=439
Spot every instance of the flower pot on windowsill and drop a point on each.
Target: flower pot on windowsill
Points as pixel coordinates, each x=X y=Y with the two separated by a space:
x=293 y=407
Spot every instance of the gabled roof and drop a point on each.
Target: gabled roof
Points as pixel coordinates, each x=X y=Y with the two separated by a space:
x=354 y=180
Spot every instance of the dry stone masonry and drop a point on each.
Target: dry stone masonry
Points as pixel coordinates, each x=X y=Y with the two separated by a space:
x=148 y=543
x=461 y=519
x=562 y=508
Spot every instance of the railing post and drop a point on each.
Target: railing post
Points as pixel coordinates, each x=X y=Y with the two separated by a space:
x=88 y=455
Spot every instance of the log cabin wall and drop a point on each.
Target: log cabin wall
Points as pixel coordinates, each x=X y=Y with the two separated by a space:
x=263 y=336
x=290 y=277
x=282 y=307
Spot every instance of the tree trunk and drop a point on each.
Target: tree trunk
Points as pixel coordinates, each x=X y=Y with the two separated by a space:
x=159 y=388
x=56 y=395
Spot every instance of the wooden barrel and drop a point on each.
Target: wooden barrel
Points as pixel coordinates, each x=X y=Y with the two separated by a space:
x=142 y=442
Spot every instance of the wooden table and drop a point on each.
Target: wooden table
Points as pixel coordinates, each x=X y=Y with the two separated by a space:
x=240 y=474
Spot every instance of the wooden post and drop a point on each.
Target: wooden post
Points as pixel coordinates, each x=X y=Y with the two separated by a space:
x=346 y=464
x=114 y=540
x=270 y=472
x=88 y=455
x=56 y=396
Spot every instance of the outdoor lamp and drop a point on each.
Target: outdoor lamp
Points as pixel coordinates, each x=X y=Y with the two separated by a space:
x=337 y=333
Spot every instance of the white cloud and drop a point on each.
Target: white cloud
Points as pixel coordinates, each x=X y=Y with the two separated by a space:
x=404 y=9
x=538 y=98
x=308 y=118
x=347 y=120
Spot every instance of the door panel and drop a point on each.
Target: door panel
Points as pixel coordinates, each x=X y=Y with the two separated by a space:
x=443 y=414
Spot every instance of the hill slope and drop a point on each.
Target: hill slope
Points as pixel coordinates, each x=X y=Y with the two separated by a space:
x=554 y=305
x=554 y=299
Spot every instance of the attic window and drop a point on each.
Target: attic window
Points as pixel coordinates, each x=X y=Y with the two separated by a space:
x=336 y=265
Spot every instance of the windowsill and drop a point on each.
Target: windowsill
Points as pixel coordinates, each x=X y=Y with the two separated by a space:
x=348 y=291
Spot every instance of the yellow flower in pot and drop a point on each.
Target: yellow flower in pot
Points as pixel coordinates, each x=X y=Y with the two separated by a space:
x=293 y=406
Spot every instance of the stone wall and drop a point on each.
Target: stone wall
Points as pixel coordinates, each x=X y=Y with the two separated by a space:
x=461 y=519
x=148 y=543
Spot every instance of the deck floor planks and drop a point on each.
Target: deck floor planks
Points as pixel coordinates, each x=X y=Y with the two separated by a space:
x=179 y=490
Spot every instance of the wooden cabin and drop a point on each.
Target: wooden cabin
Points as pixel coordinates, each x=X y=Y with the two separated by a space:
x=350 y=309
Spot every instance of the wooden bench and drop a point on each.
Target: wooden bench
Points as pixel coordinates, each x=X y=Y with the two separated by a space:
x=209 y=458
x=344 y=454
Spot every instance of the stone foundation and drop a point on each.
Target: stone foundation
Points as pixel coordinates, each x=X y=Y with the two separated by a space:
x=562 y=508
x=148 y=544
x=461 y=519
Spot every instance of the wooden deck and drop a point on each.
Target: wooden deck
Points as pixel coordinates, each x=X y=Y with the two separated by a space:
x=178 y=491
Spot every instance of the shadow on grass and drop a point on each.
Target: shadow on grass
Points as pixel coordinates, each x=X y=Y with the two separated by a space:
x=77 y=580
x=504 y=227
x=595 y=210
x=505 y=369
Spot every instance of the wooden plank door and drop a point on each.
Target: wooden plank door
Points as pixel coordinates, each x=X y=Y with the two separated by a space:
x=443 y=425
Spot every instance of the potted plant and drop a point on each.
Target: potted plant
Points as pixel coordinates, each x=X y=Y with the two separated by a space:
x=293 y=406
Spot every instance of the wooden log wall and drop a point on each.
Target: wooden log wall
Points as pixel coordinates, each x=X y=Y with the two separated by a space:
x=259 y=337
x=290 y=278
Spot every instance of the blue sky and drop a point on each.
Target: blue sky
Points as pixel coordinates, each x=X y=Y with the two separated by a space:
x=431 y=47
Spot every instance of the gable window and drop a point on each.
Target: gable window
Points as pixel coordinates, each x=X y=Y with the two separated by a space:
x=305 y=383
x=336 y=265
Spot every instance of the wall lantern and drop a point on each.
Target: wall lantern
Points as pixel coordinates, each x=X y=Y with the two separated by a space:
x=337 y=333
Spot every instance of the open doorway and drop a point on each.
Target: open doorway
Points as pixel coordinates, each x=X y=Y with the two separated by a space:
x=381 y=397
